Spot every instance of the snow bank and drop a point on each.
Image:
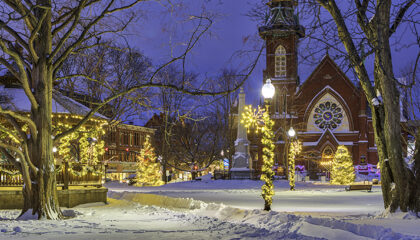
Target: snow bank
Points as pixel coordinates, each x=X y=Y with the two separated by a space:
x=282 y=224
x=157 y=200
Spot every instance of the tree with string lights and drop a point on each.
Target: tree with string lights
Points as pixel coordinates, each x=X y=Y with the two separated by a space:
x=342 y=171
x=260 y=120
x=294 y=150
x=148 y=169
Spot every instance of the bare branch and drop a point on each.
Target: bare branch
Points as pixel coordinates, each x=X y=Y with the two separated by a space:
x=26 y=14
x=14 y=34
x=400 y=16
x=23 y=77
x=82 y=35
x=34 y=33
x=22 y=118
x=347 y=40
x=63 y=39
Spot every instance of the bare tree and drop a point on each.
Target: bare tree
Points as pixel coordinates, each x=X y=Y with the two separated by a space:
x=377 y=22
x=172 y=106
x=196 y=144
x=113 y=65
x=358 y=34
x=225 y=110
x=36 y=39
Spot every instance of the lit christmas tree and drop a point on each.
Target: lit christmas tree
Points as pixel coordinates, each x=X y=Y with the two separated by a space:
x=342 y=167
x=148 y=170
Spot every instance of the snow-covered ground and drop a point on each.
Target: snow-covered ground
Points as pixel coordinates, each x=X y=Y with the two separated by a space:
x=222 y=209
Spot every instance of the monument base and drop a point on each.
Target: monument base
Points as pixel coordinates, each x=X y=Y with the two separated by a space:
x=240 y=173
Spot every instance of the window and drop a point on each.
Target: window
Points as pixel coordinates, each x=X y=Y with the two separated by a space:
x=125 y=138
x=327 y=157
x=136 y=139
x=328 y=152
x=328 y=115
x=112 y=135
x=280 y=62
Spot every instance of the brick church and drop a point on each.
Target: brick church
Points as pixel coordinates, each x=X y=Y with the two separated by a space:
x=326 y=110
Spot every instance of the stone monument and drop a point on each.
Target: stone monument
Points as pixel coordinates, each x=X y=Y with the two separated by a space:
x=241 y=159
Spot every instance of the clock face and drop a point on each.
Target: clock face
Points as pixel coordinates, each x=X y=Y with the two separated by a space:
x=328 y=115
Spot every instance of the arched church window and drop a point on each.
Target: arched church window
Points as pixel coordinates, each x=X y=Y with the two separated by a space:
x=328 y=115
x=327 y=157
x=328 y=152
x=280 y=62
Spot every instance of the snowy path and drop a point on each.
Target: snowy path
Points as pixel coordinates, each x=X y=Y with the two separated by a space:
x=128 y=220
x=227 y=210
x=325 y=199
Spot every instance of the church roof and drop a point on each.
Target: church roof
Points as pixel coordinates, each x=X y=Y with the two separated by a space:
x=326 y=60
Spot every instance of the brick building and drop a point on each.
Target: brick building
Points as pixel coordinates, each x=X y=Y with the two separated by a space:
x=123 y=143
x=326 y=111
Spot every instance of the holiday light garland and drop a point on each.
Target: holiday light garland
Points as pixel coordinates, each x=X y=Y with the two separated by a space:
x=9 y=172
x=82 y=170
x=294 y=150
x=89 y=152
x=261 y=121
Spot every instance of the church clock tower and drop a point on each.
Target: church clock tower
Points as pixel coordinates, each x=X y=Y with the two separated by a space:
x=281 y=33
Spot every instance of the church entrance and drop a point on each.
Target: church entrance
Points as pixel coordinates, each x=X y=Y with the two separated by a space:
x=325 y=165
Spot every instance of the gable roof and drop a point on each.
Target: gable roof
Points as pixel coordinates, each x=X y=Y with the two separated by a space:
x=326 y=60
x=327 y=136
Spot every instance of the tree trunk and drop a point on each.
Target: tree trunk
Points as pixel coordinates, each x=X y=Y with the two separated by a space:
x=44 y=188
x=267 y=206
x=399 y=182
x=417 y=170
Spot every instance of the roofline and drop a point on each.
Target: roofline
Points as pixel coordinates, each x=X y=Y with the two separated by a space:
x=318 y=67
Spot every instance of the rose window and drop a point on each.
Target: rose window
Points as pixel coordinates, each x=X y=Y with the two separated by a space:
x=328 y=115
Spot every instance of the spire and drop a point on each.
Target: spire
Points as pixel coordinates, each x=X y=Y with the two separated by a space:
x=281 y=18
x=241 y=105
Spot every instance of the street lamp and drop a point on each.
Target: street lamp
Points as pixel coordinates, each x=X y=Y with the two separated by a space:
x=294 y=149
x=261 y=121
x=267 y=175
x=268 y=89
x=291 y=132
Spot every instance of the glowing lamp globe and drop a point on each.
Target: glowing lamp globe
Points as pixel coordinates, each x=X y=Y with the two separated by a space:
x=291 y=132
x=268 y=89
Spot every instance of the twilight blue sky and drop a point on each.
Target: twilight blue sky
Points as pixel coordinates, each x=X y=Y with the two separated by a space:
x=159 y=32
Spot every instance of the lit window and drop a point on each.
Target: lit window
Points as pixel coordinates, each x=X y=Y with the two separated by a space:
x=280 y=62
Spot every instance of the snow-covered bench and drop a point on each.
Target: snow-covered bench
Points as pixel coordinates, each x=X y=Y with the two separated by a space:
x=367 y=187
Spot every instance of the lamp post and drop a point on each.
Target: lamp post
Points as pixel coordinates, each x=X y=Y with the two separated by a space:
x=261 y=121
x=294 y=149
x=267 y=175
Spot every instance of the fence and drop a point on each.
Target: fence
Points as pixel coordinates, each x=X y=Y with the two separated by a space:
x=76 y=175
x=10 y=176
